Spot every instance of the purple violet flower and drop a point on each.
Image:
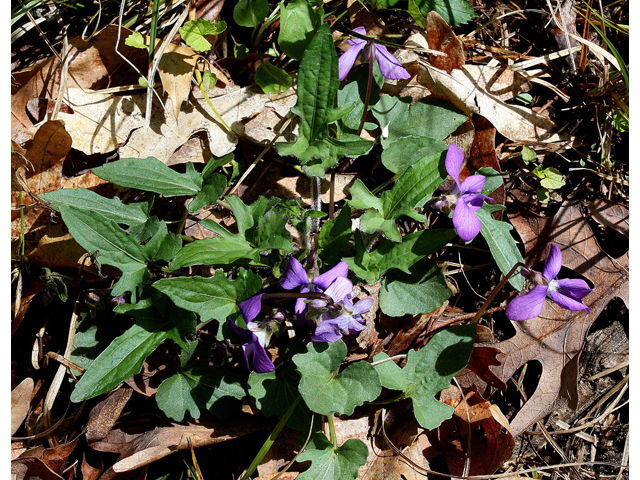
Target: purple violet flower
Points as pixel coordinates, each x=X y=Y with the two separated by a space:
x=296 y=276
x=346 y=318
x=465 y=198
x=568 y=293
x=257 y=335
x=389 y=66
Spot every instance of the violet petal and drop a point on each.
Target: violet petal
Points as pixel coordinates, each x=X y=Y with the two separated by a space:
x=339 y=289
x=528 y=305
x=567 y=302
x=251 y=308
x=294 y=275
x=257 y=358
x=389 y=65
x=473 y=184
x=327 y=332
x=348 y=58
x=575 y=288
x=362 y=306
x=339 y=270
x=453 y=162
x=466 y=223
x=553 y=263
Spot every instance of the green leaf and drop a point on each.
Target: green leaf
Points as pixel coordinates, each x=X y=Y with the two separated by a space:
x=334 y=235
x=493 y=180
x=212 y=188
x=429 y=371
x=163 y=245
x=324 y=390
x=148 y=174
x=426 y=118
x=111 y=208
x=405 y=151
x=412 y=190
x=371 y=266
x=209 y=79
x=421 y=291
x=136 y=40
x=193 y=33
x=328 y=463
x=272 y=79
x=454 y=12
x=117 y=248
x=212 y=297
x=362 y=198
x=298 y=23
x=250 y=13
x=157 y=319
x=275 y=391
x=502 y=245
x=203 y=387
x=271 y=232
x=316 y=94
x=528 y=155
x=550 y=178
x=216 y=251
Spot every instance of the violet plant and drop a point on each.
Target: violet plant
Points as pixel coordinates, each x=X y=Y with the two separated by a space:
x=293 y=326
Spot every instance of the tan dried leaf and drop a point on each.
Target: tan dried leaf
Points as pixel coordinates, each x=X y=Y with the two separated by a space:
x=474 y=90
x=104 y=122
x=20 y=402
x=176 y=70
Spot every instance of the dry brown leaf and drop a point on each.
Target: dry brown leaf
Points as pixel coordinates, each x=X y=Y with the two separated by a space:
x=46 y=244
x=32 y=467
x=483 y=154
x=104 y=122
x=20 y=402
x=610 y=214
x=137 y=450
x=105 y=414
x=92 y=65
x=482 y=357
x=555 y=338
x=473 y=90
x=440 y=36
x=51 y=143
x=477 y=429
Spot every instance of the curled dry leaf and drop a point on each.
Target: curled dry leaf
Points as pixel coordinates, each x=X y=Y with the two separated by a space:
x=20 y=401
x=556 y=337
x=477 y=429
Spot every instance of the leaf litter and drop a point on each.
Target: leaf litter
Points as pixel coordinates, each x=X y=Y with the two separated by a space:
x=102 y=114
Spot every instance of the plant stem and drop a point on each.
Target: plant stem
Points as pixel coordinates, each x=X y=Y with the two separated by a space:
x=153 y=33
x=367 y=98
x=206 y=97
x=495 y=292
x=332 y=429
x=269 y=441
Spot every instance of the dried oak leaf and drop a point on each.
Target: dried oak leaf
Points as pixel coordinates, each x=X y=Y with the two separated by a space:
x=105 y=122
x=480 y=423
x=556 y=337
